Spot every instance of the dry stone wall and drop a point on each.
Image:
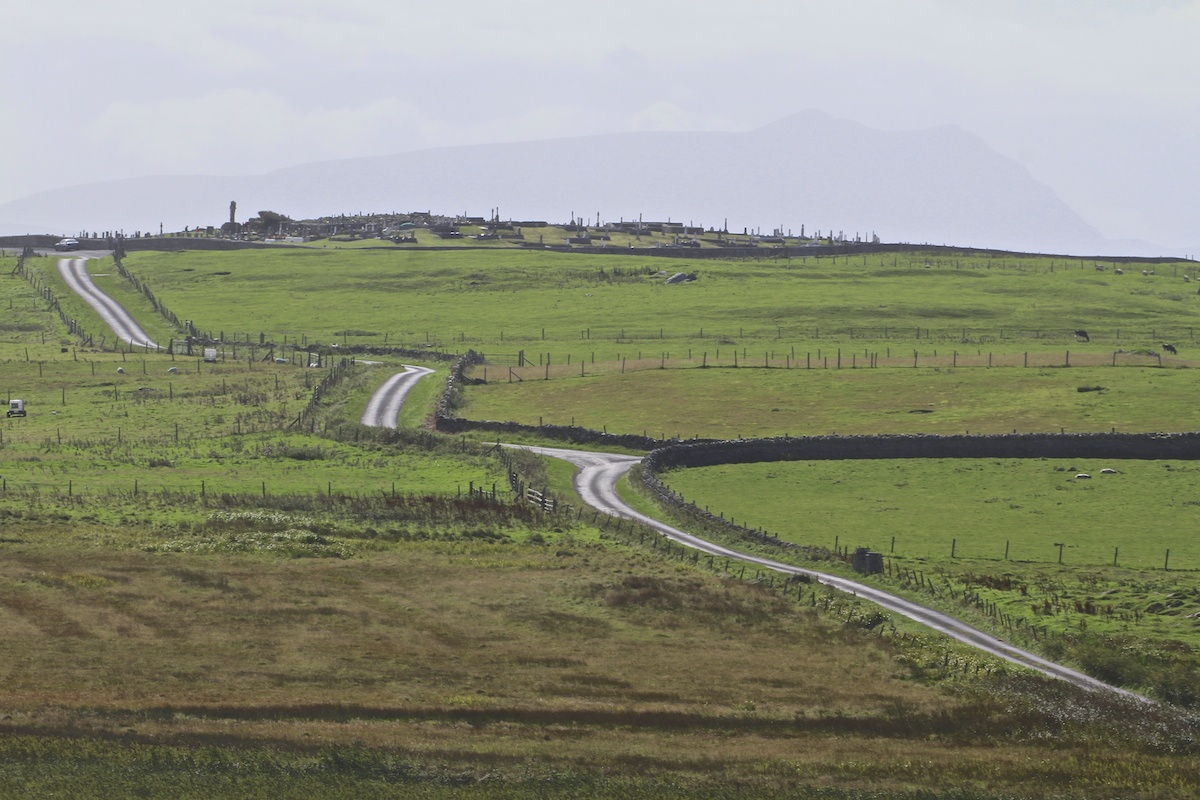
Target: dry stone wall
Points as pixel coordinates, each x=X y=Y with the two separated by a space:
x=1181 y=446
x=1143 y=446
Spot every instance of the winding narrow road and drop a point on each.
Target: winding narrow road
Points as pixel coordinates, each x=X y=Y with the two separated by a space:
x=384 y=406
x=596 y=483
x=74 y=272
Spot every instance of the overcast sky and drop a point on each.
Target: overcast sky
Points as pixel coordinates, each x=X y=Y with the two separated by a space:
x=1100 y=99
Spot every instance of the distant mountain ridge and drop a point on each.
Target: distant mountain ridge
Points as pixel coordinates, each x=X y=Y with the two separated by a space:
x=940 y=186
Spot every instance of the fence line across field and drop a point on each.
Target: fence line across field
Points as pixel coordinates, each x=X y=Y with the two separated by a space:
x=961 y=334
x=207 y=492
x=896 y=558
x=521 y=366
x=790 y=333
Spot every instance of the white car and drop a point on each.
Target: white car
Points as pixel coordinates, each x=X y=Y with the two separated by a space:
x=66 y=244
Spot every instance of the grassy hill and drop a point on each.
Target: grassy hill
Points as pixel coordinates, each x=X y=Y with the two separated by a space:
x=211 y=599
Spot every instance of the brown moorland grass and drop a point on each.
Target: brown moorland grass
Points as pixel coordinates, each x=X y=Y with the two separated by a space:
x=572 y=655
x=560 y=627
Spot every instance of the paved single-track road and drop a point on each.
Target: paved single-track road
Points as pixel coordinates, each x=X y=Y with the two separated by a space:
x=74 y=272
x=384 y=406
x=596 y=483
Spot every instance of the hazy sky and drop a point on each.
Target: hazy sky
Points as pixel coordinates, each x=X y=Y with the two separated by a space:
x=1100 y=99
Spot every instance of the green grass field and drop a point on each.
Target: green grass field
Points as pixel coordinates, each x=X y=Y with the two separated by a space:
x=925 y=505
x=212 y=599
x=694 y=402
x=560 y=302
x=227 y=427
x=1103 y=572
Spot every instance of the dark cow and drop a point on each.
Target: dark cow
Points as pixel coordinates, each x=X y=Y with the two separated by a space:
x=1170 y=348
x=1082 y=334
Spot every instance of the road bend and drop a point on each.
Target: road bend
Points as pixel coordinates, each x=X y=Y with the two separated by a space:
x=596 y=482
x=74 y=272
x=383 y=409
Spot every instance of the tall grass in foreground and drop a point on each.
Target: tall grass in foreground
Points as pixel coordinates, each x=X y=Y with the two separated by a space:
x=518 y=670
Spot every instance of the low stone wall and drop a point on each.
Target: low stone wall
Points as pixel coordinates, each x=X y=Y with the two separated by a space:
x=178 y=243
x=1182 y=446
x=449 y=399
x=31 y=240
x=1143 y=446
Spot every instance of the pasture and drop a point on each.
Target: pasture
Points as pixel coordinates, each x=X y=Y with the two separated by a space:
x=153 y=440
x=227 y=427
x=201 y=585
x=562 y=303
x=685 y=400
x=918 y=510
x=1101 y=570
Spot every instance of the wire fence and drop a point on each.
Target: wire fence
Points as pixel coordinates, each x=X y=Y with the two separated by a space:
x=509 y=343
x=519 y=367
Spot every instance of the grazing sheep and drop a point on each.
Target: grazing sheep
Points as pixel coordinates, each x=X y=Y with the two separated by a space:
x=1083 y=475
x=1119 y=271
x=173 y=370
x=120 y=370
x=1108 y=471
